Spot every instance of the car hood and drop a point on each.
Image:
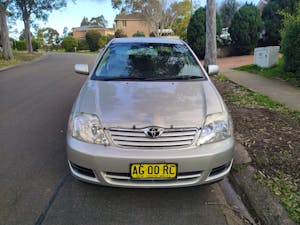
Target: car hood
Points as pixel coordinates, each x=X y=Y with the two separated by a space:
x=141 y=104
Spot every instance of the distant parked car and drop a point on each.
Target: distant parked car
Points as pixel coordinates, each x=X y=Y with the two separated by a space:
x=149 y=116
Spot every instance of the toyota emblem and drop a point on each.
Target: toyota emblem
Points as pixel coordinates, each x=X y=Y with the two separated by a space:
x=153 y=132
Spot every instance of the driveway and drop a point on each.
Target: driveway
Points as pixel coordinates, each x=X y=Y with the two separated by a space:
x=35 y=183
x=235 y=61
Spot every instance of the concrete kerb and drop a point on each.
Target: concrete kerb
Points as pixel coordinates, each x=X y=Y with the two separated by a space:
x=259 y=200
x=24 y=63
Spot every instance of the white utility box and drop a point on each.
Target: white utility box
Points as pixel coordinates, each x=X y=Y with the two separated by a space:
x=266 y=57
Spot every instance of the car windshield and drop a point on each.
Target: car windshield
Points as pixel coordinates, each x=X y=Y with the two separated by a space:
x=148 y=61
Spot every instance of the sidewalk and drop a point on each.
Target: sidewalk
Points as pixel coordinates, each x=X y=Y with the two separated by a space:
x=277 y=90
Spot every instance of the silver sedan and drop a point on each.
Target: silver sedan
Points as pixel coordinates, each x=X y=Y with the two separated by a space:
x=149 y=116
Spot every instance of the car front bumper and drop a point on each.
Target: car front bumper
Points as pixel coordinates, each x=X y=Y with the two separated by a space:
x=109 y=165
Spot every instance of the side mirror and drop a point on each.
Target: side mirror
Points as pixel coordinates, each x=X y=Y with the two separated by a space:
x=82 y=69
x=212 y=69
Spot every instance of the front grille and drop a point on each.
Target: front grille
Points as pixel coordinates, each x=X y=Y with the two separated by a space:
x=169 y=138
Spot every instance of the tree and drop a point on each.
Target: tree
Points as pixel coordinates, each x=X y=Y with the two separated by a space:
x=245 y=28
x=273 y=19
x=69 y=43
x=85 y=21
x=92 y=38
x=159 y=14
x=196 y=31
x=290 y=36
x=211 y=34
x=7 y=50
x=22 y=35
x=49 y=35
x=39 y=37
x=99 y=21
x=65 y=32
x=180 y=25
x=31 y=10
x=227 y=10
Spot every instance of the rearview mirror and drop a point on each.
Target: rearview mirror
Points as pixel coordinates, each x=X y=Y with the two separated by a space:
x=212 y=69
x=82 y=69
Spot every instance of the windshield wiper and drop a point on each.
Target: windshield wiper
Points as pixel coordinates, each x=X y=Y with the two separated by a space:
x=121 y=78
x=183 y=77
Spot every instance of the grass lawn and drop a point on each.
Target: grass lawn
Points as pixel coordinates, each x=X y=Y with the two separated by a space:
x=273 y=72
x=19 y=58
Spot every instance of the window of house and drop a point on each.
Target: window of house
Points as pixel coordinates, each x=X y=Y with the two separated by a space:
x=124 y=23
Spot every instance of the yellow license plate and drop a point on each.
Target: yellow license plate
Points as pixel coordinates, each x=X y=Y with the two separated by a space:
x=153 y=171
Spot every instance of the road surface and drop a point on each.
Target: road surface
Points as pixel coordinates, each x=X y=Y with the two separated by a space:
x=35 y=184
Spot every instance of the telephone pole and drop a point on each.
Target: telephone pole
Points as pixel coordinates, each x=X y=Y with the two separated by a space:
x=211 y=42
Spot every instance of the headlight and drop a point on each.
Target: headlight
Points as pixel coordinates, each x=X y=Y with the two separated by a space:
x=217 y=127
x=86 y=127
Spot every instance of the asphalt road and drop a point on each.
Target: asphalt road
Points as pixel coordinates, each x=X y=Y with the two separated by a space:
x=35 y=184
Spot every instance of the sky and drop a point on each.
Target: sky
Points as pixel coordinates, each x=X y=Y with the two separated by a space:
x=72 y=15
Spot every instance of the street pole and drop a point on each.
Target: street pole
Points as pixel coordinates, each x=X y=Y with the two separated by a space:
x=211 y=41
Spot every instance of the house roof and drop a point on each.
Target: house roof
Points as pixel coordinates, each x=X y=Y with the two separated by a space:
x=133 y=16
x=147 y=40
x=85 y=27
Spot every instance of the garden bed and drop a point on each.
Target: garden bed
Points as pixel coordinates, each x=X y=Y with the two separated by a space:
x=270 y=132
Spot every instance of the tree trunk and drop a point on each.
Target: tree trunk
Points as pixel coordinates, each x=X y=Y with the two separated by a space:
x=7 y=50
x=211 y=41
x=27 y=35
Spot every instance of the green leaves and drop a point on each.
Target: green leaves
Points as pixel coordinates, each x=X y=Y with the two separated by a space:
x=290 y=36
x=196 y=31
x=69 y=43
x=98 y=21
x=245 y=28
x=227 y=10
x=273 y=19
x=92 y=38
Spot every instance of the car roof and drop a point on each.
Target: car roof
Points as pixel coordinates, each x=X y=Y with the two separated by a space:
x=147 y=40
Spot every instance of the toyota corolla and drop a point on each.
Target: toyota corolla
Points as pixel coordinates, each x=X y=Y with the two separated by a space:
x=149 y=116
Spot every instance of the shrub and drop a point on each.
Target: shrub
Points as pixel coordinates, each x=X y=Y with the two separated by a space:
x=245 y=28
x=21 y=45
x=289 y=44
x=14 y=43
x=273 y=19
x=92 y=38
x=35 y=45
x=83 y=45
x=102 y=41
x=69 y=43
x=138 y=34
x=119 y=33
x=152 y=34
x=196 y=31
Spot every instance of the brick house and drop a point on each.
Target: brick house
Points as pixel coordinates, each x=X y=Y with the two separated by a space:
x=132 y=23
x=80 y=32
